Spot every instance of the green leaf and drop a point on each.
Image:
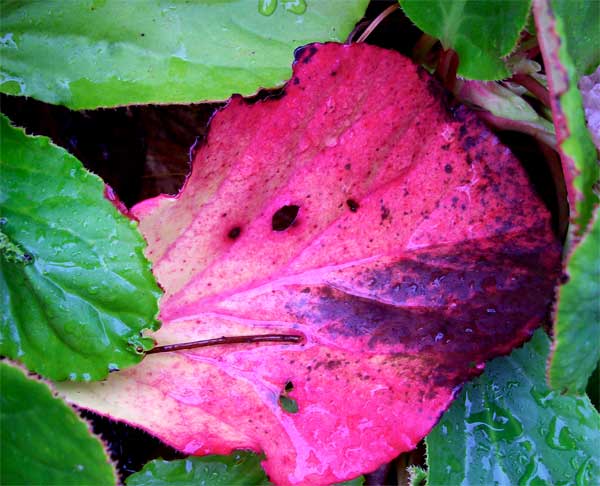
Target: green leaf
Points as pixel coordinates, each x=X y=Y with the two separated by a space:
x=288 y=404
x=238 y=469
x=359 y=481
x=570 y=366
x=581 y=24
x=43 y=439
x=508 y=428
x=577 y=328
x=91 y=53
x=75 y=287
x=417 y=476
x=575 y=145
x=481 y=32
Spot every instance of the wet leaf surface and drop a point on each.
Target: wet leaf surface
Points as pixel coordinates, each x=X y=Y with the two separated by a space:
x=508 y=427
x=439 y=263
x=69 y=265
x=84 y=54
x=238 y=469
x=43 y=439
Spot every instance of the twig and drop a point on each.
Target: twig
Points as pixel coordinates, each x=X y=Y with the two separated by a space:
x=373 y=25
x=259 y=338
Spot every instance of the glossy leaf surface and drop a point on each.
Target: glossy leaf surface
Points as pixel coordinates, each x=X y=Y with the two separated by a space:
x=567 y=371
x=482 y=33
x=368 y=217
x=43 y=439
x=87 y=54
x=75 y=287
x=507 y=427
x=237 y=469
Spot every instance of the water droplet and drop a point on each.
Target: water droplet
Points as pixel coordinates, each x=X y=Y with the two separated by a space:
x=267 y=7
x=439 y=336
x=541 y=398
x=490 y=310
x=500 y=422
x=559 y=436
x=535 y=474
x=7 y=41
x=297 y=7
x=584 y=473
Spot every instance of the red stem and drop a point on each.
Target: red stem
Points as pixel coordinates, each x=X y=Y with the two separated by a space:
x=533 y=86
x=259 y=338
x=447 y=68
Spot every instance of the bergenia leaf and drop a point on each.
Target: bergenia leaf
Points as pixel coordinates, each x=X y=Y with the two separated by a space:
x=580 y=21
x=43 y=439
x=577 y=151
x=567 y=371
x=238 y=469
x=481 y=33
x=367 y=217
x=75 y=287
x=507 y=427
x=85 y=54
x=577 y=330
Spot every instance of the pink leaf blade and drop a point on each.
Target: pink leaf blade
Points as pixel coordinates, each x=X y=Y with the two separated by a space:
x=419 y=251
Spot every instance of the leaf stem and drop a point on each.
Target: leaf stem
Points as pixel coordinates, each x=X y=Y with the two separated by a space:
x=373 y=25
x=533 y=86
x=447 y=68
x=256 y=338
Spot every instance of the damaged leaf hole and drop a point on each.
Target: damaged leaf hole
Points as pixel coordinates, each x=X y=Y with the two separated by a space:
x=284 y=217
x=234 y=233
x=352 y=205
x=288 y=404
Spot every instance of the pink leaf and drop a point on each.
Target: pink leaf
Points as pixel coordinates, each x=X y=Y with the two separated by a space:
x=408 y=249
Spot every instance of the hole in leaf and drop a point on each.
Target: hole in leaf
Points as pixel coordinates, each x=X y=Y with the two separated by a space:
x=288 y=404
x=284 y=217
x=234 y=233
x=352 y=205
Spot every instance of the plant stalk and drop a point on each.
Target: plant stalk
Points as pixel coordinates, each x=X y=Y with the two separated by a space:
x=257 y=338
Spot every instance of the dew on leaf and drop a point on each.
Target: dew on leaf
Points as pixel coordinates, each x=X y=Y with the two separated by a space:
x=584 y=474
x=498 y=421
x=559 y=436
x=297 y=7
x=267 y=7
x=535 y=474
x=542 y=398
